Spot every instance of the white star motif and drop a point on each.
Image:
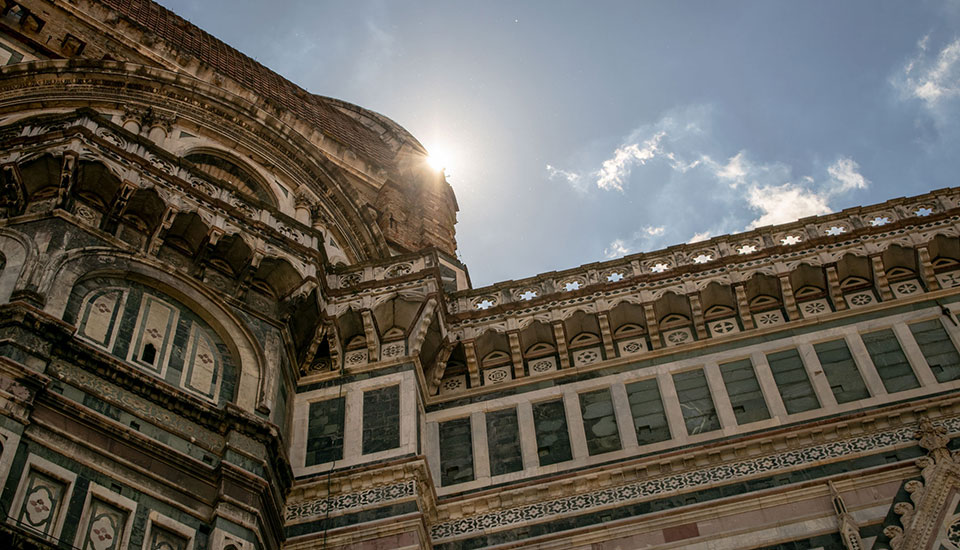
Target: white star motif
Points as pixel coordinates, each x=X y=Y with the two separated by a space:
x=879 y=220
x=836 y=230
x=573 y=285
x=923 y=211
x=702 y=259
x=484 y=304
x=790 y=239
x=528 y=295
x=614 y=277
x=747 y=249
x=659 y=268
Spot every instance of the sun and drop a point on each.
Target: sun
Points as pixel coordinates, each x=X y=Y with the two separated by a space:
x=439 y=159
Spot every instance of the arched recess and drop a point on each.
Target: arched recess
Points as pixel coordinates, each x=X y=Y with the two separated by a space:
x=231 y=254
x=582 y=330
x=64 y=271
x=226 y=167
x=763 y=293
x=718 y=301
x=141 y=217
x=41 y=177
x=900 y=263
x=808 y=282
x=674 y=319
x=944 y=253
x=95 y=185
x=350 y=329
x=627 y=321
x=276 y=278
x=855 y=273
x=186 y=234
x=396 y=317
x=537 y=340
x=17 y=252
x=493 y=349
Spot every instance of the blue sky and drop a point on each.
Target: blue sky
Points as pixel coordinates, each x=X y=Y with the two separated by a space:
x=580 y=131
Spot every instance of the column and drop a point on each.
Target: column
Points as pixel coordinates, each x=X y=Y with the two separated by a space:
x=811 y=363
x=768 y=385
x=621 y=408
x=671 y=406
x=721 y=401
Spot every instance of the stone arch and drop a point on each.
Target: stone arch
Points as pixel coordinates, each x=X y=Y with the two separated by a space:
x=763 y=293
x=231 y=254
x=809 y=282
x=17 y=253
x=854 y=272
x=96 y=184
x=64 y=271
x=493 y=349
x=582 y=329
x=627 y=320
x=187 y=233
x=277 y=276
x=672 y=310
x=899 y=263
x=537 y=340
x=944 y=253
x=224 y=166
x=395 y=317
x=40 y=177
x=718 y=301
x=350 y=330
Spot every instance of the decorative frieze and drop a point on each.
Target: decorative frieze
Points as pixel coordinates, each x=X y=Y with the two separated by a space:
x=680 y=482
x=339 y=504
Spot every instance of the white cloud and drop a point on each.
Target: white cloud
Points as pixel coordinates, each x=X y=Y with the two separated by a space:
x=574 y=179
x=734 y=171
x=616 y=169
x=845 y=174
x=785 y=203
x=616 y=249
x=699 y=237
x=654 y=231
x=932 y=77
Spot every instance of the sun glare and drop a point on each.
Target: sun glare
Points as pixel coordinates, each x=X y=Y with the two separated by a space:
x=435 y=162
x=439 y=159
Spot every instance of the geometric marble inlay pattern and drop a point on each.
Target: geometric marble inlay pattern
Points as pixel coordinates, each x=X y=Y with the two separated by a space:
x=670 y=484
x=350 y=501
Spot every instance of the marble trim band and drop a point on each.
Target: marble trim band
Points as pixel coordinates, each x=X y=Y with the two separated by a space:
x=350 y=501
x=645 y=489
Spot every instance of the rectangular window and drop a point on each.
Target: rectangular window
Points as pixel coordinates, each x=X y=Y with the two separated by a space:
x=381 y=419
x=646 y=407
x=699 y=414
x=744 y=391
x=890 y=361
x=599 y=422
x=550 y=424
x=937 y=349
x=503 y=442
x=456 y=452
x=841 y=371
x=325 y=431
x=792 y=381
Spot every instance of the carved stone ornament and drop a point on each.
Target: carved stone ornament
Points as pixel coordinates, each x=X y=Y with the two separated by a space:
x=930 y=519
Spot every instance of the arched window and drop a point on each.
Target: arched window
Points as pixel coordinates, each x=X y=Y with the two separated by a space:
x=153 y=332
x=222 y=167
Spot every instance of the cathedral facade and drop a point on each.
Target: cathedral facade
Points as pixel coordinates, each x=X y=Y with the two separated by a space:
x=232 y=318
